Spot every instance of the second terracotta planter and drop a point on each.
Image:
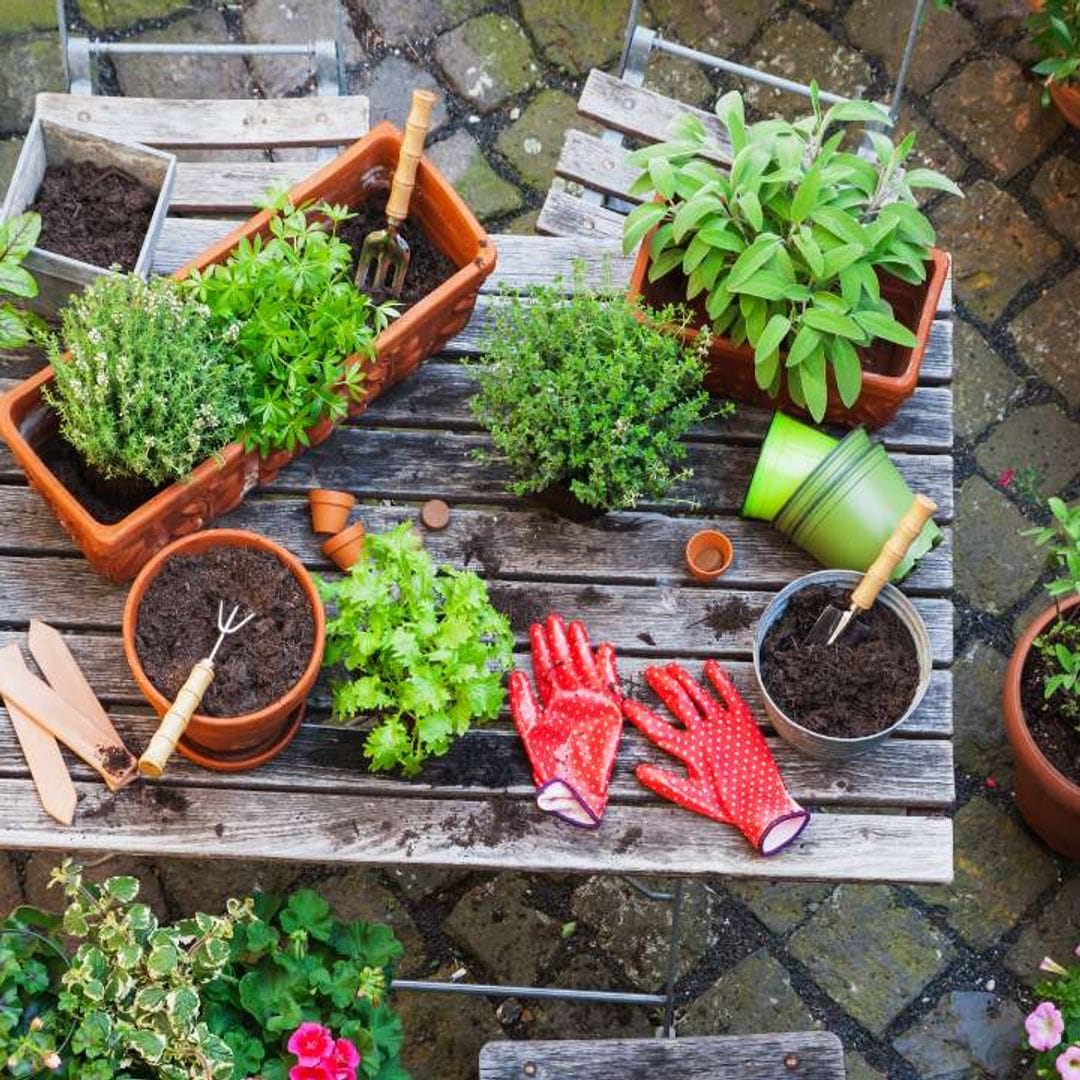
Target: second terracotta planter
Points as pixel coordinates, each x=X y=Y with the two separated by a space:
x=237 y=741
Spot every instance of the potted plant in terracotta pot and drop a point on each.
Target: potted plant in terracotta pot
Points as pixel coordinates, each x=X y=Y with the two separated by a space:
x=255 y=703
x=812 y=265
x=1042 y=695
x=1055 y=29
x=587 y=399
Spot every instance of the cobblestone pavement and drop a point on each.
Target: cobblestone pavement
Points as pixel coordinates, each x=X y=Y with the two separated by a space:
x=919 y=983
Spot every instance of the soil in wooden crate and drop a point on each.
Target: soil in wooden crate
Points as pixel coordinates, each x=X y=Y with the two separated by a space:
x=99 y=216
x=858 y=686
x=1055 y=734
x=428 y=266
x=177 y=627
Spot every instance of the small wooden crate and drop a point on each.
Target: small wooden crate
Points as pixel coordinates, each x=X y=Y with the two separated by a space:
x=50 y=143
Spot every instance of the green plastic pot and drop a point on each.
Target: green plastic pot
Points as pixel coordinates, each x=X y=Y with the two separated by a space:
x=843 y=513
x=790 y=453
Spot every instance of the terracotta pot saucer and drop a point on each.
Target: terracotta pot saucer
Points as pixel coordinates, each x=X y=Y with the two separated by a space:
x=243 y=760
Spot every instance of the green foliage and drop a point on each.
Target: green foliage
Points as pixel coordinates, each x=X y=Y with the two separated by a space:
x=148 y=391
x=1062 y=990
x=18 y=235
x=294 y=963
x=424 y=649
x=784 y=251
x=299 y=319
x=588 y=391
x=1055 y=29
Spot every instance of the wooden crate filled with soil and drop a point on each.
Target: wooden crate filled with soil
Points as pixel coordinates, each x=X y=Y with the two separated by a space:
x=102 y=204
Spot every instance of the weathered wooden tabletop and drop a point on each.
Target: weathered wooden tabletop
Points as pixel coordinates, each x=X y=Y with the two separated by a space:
x=882 y=817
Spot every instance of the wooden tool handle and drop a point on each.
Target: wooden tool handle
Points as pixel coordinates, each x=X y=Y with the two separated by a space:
x=893 y=552
x=174 y=723
x=412 y=150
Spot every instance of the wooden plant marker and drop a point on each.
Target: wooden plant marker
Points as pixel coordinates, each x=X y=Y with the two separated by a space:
x=98 y=745
x=41 y=750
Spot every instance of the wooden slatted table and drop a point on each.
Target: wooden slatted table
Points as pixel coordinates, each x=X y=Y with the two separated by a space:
x=883 y=817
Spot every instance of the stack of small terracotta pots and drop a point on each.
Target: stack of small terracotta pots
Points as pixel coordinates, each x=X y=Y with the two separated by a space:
x=330 y=517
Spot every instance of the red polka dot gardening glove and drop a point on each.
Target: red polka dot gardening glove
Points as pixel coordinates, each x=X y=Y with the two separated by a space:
x=730 y=772
x=572 y=734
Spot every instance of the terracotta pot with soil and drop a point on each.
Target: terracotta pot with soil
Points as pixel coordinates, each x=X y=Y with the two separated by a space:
x=838 y=701
x=890 y=372
x=452 y=256
x=102 y=202
x=263 y=673
x=1045 y=742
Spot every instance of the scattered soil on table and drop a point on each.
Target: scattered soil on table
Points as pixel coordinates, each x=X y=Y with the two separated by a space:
x=506 y=819
x=99 y=216
x=60 y=457
x=482 y=547
x=628 y=839
x=860 y=685
x=723 y=616
x=177 y=627
x=1055 y=734
x=521 y=608
x=428 y=266
x=116 y=760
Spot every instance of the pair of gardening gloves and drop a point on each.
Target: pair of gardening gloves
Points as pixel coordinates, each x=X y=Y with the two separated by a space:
x=572 y=734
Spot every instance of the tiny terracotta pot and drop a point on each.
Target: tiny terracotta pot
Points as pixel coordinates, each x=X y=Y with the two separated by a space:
x=1049 y=801
x=708 y=554
x=1067 y=99
x=347 y=547
x=227 y=737
x=330 y=510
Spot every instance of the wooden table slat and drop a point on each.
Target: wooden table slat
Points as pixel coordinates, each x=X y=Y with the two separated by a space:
x=210 y=187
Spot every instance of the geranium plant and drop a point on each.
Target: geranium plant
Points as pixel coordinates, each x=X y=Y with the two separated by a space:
x=1055 y=29
x=422 y=646
x=1053 y=1026
x=18 y=235
x=589 y=392
x=784 y=251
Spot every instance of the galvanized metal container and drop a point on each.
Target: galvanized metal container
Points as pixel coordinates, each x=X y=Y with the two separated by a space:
x=50 y=143
x=828 y=747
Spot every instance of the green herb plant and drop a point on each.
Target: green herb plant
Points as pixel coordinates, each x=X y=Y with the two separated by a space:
x=289 y=306
x=18 y=235
x=148 y=391
x=784 y=250
x=590 y=392
x=1055 y=30
x=422 y=646
x=293 y=962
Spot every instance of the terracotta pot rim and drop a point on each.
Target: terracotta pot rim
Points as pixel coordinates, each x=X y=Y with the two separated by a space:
x=1016 y=727
x=285 y=705
x=346 y=536
x=331 y=497
x=716 y=540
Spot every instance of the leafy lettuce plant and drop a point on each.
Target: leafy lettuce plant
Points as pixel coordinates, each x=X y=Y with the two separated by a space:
x=289 y=307
x=1055 y=29
x=294 y=964
x=784 y=250
x=423 y=648
x=18 y=235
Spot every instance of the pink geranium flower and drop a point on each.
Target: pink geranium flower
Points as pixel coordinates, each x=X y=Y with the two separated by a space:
x=312 y=1044
x=1044 y=1026
x=1068 y=1064
x=344 y=1060
x=311 y=1072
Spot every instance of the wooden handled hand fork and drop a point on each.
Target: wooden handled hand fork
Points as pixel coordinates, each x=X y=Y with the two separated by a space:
x=174 y=723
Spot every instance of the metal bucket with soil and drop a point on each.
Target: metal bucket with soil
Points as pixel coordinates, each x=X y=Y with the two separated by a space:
x=839 y=701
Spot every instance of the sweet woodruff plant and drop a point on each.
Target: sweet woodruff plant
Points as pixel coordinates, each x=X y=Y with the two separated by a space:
x=785 y=250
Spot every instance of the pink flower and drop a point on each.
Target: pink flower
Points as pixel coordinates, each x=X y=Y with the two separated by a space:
x=311 y=1072
x=1068 y=1064
x=312 y=1044
x=1006 y=477
x=344 y=1060
x=1044 y=1026
x=1050 y=964
x=1076 y=951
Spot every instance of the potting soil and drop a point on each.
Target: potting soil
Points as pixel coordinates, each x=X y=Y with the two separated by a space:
x=858 y=686
x=99 y=216
x=177 y=627
x=1056 y=734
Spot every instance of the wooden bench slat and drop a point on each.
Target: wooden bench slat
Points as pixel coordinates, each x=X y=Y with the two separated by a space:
x=498 y=834
x=903 y=773
x=209 y=187
x=210 y=123
x=819 y=1055
x=101 y=656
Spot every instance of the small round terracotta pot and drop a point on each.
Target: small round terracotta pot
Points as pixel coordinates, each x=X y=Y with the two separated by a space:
x=708 y=554
x=1067 y=99
x=347 y=547
x=227 y=735
x=1049 y=802
x=330 y=510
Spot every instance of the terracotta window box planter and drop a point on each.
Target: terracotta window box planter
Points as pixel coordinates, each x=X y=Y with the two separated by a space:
x=1049 y=801
x=731 y=367
x=120 y=550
